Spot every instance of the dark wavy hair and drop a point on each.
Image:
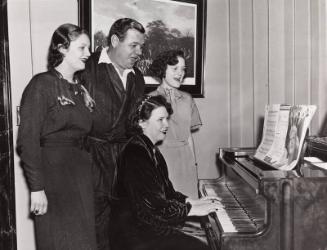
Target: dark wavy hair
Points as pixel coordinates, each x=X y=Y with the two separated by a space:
x=62 y=38
x=143 y=111
x=121 y=26
x=159 y=65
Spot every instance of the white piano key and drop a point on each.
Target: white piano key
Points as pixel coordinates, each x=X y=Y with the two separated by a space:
x=225 y=221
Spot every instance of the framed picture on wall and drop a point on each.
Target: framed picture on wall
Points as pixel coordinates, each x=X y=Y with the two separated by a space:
x=169 y=24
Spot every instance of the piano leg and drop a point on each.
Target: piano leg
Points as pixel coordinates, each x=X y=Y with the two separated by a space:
x=286 y=220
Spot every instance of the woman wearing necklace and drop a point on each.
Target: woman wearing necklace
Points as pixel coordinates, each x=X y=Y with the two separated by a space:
x=178 y=147
x=55 y=116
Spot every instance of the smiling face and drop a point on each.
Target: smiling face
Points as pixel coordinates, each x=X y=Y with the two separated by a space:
x=157 y=125
x=174 y=74
x=125 y=53
x=77 y=53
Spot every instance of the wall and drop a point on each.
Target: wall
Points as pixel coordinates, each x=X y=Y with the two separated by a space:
x=257 y=52
x=31 y=24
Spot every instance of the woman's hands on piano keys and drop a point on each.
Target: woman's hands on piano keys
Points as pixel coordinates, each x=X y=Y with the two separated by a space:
x=204 y=206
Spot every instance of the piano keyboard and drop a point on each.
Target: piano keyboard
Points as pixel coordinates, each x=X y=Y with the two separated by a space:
x=240 y=213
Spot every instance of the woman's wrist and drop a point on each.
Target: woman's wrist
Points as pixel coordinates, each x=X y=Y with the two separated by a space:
x=189 y=200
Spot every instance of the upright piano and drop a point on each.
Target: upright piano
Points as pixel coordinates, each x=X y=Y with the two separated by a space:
x=265 y=208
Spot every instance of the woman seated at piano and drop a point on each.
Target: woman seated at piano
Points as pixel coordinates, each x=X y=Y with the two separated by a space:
x=149 y=213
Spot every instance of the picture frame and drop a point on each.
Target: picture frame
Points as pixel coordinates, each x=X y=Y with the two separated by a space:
x=179 y=24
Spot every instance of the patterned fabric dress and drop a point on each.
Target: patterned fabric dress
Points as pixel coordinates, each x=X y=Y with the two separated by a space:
x=175 y=148
x=49 y=142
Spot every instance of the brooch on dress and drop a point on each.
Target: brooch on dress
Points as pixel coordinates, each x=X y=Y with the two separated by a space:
x=63 y=100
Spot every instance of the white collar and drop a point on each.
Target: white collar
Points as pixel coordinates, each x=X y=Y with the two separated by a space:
x=104 y=58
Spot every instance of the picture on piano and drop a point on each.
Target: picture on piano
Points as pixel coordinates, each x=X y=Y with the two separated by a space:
x=284 y=131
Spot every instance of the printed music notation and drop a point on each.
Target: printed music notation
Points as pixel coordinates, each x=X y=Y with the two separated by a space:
x=284 y=132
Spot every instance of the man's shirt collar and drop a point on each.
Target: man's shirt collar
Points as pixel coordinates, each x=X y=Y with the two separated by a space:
x=104 y=58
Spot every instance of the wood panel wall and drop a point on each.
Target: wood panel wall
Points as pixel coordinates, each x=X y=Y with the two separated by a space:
x=277 y=54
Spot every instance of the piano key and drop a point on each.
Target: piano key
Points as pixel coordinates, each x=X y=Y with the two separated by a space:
x=225 y=221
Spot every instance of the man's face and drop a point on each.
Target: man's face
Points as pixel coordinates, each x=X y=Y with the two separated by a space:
x=127 y=52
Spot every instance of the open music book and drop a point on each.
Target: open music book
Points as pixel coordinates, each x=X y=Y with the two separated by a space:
x=284 y=132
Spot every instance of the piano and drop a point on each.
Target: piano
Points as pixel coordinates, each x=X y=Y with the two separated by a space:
x=265 y=208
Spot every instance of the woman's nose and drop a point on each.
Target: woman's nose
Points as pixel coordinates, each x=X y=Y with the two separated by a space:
x=166 y=123
x=181 y=74
x=87 y=52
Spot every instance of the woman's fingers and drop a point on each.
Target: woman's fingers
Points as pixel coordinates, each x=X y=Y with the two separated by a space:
x=39 y=209
x=214 y=202
x=39 y=203
x=211 y=198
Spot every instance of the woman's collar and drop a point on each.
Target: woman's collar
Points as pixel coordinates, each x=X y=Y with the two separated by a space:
x=165 y=91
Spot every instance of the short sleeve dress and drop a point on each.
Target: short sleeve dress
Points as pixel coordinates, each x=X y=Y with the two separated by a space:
x=49 y=143
x=175 y=148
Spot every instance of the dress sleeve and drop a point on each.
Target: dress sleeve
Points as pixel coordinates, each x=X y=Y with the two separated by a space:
x=32 y=113
x=147 y=194
x=195 y=116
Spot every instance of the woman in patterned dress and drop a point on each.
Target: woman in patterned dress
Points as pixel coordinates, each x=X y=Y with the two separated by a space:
x=55 y=116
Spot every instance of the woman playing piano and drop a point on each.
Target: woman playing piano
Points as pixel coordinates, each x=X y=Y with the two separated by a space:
x=149 y=213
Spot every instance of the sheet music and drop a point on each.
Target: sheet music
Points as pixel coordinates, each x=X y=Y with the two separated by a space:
x=283 y=134
x=270 y=130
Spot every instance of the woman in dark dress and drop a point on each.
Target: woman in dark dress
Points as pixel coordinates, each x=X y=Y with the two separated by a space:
x=55 y=116
x=150 y=214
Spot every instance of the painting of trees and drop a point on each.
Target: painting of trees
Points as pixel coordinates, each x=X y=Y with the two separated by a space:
x=100 y=40
x=169 y=24
x=160 y=38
